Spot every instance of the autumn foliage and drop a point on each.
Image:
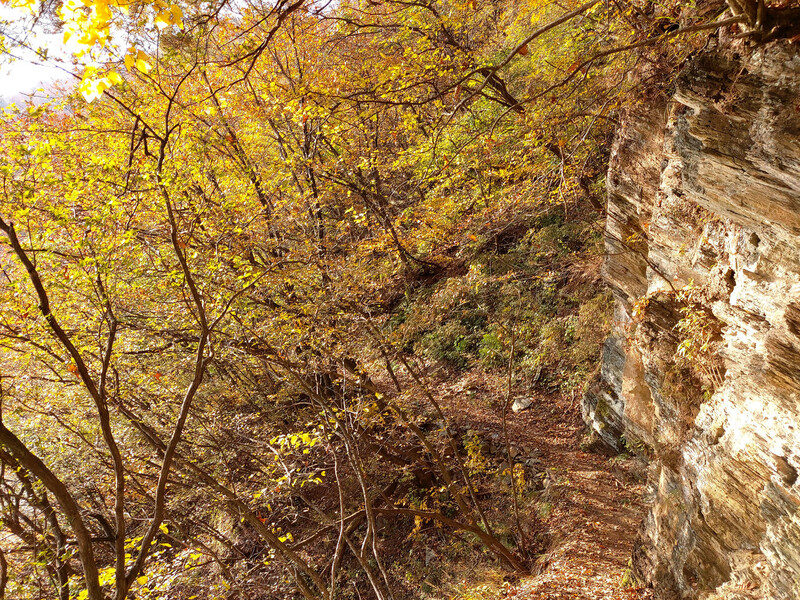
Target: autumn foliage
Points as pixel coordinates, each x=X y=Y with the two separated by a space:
x=232 y=253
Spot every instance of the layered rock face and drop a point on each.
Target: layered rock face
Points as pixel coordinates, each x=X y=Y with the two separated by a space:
x=702 y=372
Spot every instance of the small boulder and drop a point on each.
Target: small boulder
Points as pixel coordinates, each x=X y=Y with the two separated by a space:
x=521 y=404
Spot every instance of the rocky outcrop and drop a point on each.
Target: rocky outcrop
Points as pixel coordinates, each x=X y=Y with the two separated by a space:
x=702 y=371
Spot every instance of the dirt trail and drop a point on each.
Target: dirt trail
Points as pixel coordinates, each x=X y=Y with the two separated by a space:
x=591 y=506
x=596 y=511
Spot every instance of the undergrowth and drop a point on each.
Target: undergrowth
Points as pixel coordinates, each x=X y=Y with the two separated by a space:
x=540 y=296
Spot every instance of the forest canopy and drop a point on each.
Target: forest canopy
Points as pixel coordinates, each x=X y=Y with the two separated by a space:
x=234 y=245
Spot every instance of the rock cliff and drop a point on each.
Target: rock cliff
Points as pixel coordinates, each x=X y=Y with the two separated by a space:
x=702 y=371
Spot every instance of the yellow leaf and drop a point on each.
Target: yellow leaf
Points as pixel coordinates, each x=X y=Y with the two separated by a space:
x=28 y=5
x=141 y=580
x=141 y=63
x=103 y=13
x=163 y=19
x=177 y=15
x=92 y=89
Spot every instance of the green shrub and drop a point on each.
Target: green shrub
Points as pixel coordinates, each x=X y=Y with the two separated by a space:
x=451 y=343
x=490 y=350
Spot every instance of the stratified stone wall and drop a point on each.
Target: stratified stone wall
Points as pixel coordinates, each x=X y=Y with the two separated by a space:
x=704 y=228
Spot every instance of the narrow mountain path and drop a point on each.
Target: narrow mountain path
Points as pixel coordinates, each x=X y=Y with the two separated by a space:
x=595 y=515
x=592 y=545
x=591 y=505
